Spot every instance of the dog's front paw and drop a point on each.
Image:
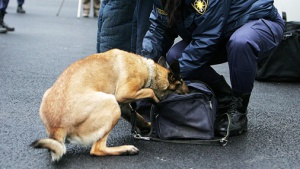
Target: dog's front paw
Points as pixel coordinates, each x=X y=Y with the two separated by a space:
x=156 y=99
x=130 y=150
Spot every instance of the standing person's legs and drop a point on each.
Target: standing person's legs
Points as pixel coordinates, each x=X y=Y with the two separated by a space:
x=3 y=26
x=20 y=6
x=86 y=8
x=3 y=5
x=96 y=5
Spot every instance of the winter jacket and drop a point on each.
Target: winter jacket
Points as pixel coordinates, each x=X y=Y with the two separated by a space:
x=115 y=25
x=204 y=24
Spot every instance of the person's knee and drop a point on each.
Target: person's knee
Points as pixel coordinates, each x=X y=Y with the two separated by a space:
x=241 y=41
x=172 y=55
x=244 y=46
x=176 y=51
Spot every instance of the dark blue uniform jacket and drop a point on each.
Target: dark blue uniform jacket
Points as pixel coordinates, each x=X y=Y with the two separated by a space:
x=204 y=24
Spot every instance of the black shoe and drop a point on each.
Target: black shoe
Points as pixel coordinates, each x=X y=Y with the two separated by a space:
x=237 y=112
x=8 y=28
x=2 y=29
x=20 y=10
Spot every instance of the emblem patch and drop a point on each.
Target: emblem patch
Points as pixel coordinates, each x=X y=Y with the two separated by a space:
x=160 y=11
x=200 y=6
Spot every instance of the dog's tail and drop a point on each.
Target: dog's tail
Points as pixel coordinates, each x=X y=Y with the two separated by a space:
x=57 y=149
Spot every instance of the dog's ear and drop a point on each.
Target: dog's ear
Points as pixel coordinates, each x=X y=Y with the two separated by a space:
x=175 y=69
x=162 y=62
x=173 y=81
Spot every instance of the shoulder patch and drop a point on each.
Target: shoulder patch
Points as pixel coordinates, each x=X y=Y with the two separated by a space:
x=200 y=6
x=160 y=11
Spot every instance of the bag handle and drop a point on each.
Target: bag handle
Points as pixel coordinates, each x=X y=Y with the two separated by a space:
x=223 y=140
x=284 y=16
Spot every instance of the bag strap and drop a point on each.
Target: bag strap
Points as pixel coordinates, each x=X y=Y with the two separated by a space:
x=223 y=140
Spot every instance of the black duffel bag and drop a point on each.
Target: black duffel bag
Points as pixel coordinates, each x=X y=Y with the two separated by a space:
x=185 y=118
x=283 y=65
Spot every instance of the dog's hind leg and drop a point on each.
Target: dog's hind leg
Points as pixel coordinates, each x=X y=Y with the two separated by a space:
x=100 y=149
x=104 y=114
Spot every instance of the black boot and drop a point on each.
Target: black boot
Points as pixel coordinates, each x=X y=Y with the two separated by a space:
x=3 y=24
x=223 y=93
x=20 y=9
x=238 y=114
x=2 y=29
x=233 y=104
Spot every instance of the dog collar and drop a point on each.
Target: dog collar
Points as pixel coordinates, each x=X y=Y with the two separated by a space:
x=150 y=68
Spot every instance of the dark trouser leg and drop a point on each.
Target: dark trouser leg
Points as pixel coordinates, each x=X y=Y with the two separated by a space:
x=254 y=40
x=21 y=2
x=20 y=7
x=140 y=24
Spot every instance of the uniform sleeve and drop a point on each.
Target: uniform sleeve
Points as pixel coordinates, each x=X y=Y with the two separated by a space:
x=159 y=38
x=205 y=38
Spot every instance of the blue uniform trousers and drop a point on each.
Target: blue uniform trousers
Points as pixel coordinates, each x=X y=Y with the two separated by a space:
x=251 y=42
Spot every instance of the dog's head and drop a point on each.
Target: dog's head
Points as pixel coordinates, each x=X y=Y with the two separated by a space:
x=174 y=82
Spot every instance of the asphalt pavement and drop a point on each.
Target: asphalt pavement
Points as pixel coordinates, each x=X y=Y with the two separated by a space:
x=43 y=45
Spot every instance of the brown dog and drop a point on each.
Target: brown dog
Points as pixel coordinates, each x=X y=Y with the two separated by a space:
x=83 y=105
